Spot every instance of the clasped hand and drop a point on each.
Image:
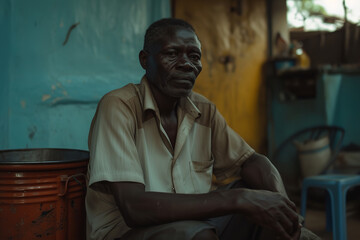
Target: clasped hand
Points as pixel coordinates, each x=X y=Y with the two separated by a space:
x=273 y=211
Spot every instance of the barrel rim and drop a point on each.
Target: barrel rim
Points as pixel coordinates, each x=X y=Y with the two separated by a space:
x=64 y=161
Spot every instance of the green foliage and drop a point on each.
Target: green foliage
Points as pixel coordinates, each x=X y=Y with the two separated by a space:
x=307 y=8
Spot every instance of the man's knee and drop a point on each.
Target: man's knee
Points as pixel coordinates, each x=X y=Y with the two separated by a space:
x=206 y=234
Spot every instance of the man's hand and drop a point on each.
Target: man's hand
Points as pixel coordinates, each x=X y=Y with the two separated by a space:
x=268 y=205
x=273 y=211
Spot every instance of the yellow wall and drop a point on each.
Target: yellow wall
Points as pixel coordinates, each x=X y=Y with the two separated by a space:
x=237 y=87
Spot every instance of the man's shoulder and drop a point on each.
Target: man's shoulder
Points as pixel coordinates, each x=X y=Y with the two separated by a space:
x=124 y=93
x=129 y=95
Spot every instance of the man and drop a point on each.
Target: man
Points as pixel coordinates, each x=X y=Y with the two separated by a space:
x=154 y=147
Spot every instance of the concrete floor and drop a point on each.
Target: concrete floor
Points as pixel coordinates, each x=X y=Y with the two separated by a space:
x=316 y=222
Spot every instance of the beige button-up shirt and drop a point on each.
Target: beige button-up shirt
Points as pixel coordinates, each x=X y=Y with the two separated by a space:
x=128 y=143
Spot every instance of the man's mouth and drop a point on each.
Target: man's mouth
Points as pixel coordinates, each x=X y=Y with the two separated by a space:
x=183 y=83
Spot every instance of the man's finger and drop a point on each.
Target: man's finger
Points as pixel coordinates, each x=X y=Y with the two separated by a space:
x=280 y=231
x=293 y=218
x=285 y=222
x=296 y=235
x=290 y=204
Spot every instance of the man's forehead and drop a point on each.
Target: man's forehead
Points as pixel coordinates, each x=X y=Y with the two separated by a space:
x=173 y=33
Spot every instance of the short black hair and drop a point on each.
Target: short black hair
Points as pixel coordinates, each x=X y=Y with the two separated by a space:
x=161 y=27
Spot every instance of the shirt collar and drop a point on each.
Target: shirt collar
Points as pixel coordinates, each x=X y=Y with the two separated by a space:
x=185 y=103
x=149 y=101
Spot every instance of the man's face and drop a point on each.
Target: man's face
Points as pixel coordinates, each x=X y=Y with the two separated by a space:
x=174 y=63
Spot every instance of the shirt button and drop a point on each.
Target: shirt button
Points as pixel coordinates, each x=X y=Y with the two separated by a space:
x=173 y=189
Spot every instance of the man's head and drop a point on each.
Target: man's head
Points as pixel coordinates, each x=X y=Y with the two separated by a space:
x=161 y=28
x=171 y=57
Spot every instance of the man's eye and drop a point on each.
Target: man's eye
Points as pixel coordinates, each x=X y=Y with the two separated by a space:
x=195 y=57
x=171 y=53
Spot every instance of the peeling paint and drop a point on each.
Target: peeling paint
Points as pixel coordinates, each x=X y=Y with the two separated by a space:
x=23 y=103
x=43 y=216
x=69 y=32
x=32 y=130
x=67 y=101
x=44 y=213
x=12 y=209
x=21 y=222
x=45 y=97
x=56 y=100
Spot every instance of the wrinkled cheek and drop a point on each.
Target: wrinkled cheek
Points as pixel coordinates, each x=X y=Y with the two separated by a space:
x=164 y=80
x=199 y=68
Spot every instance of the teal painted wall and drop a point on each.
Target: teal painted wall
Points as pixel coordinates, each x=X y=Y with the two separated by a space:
x=52 y=88
x=347 y=107
x=4 y=71
x=287 y=117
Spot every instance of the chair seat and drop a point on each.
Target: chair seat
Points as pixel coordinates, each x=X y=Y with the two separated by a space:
x=337 y=186
x=329 y=179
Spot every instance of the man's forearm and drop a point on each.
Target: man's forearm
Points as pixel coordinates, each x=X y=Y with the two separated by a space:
x=141 y=208
x=259 y=173
x=269 y=209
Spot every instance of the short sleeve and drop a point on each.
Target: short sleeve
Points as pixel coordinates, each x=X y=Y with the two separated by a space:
x=229 y=149
x=113 y=153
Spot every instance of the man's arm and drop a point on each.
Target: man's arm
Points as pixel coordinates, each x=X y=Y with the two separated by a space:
x=141 y=208
x=259 y=173
x=266 y=208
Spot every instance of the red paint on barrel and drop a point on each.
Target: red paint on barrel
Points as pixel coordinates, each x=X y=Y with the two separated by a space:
x=42 y=194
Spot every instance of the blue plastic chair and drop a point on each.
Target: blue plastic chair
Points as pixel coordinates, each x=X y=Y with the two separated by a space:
x=337 y=186
x=285 y=157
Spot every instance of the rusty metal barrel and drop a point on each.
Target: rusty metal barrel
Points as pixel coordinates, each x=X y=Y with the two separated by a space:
x=42 y=194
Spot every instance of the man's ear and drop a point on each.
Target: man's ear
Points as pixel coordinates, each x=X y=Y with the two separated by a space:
x=143 y=59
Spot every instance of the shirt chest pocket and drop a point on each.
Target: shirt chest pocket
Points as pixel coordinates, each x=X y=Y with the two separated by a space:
x=201 y=175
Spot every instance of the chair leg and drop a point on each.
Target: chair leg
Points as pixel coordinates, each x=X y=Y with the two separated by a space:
x=339 y=214
x=329 y=215
x=303 y=201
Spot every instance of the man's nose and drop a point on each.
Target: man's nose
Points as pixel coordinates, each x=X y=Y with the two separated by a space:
x=185 y=63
